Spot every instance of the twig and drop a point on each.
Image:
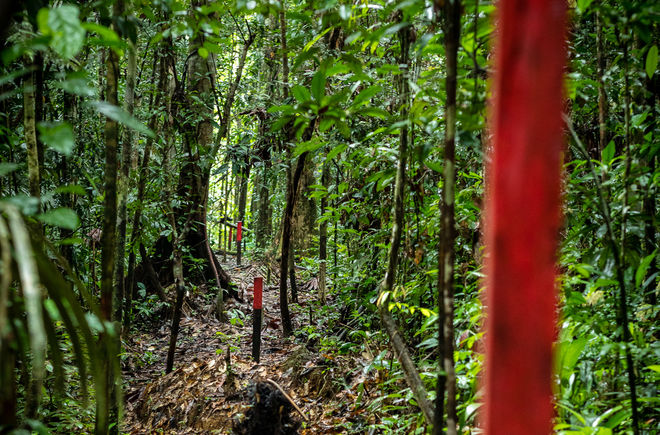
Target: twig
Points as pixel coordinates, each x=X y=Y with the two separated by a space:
x=288 y=398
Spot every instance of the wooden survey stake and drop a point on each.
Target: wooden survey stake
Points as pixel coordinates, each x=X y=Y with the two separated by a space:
x=256 y=317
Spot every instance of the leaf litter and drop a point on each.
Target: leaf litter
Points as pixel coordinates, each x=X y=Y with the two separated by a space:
x=215 y=382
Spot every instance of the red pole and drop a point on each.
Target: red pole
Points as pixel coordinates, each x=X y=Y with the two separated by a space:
x=256 y=317
x=239 y=231
x=523 y=216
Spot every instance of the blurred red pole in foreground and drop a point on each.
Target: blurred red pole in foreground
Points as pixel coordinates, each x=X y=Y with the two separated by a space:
x=523 y=216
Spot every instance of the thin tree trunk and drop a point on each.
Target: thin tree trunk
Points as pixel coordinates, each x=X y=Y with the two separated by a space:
x=108 y=236
x=398 y=345
x=180 y=289
x=623 y=301
x=30 y=127
x=323 y=237
x=124 y=183
x=452 y=20
x=292 y=189
x=158 y=66
x=602 y=97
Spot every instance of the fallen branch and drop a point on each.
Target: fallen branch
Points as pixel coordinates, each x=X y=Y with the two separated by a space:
x=288 y=398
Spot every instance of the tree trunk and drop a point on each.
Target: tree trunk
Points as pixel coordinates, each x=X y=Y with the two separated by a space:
x=398 y=345
x=452 y=21
x=154 y=102
x=323 y=237
x=287 y=219
x=108 y=236
x=30 y=127
x=124 y=182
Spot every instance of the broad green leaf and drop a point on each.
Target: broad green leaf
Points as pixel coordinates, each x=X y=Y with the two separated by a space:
x=375 y=112
x=318 y=85
x=583 y=5
x=336 y=151
x=58 y=136
x=71 y=188
x=77 y=86
x=652 y=61
x=7 y=168
x=106 y=34
x=203 y=52
x=569 y=354
x=434 y=165
x=642 y=268
x=608 y=153
x=310 y=145
x=316 y=38
x=63 y=26
x=120 y=115
x=300 y=93
x=365 y=95
x=654 y=367
x=60 y=217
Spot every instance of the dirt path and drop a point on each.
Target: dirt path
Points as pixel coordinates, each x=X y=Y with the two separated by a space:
x=209 y=389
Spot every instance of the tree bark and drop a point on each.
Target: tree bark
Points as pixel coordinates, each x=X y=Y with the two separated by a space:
x=108 y=236
x=30 y=127
x=323 y=237
x=452 y=27
x=292 y=188
x=124 y=182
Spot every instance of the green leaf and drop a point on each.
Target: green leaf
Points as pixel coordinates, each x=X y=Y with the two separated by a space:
x=77 y=86
x=652 y=61
x=120 y=115
x=434 y=165
x=608 y=153
x=7 y=168
x=60 y=217
x=336 y=151
x=310 y=145
x=365 y=95
x=58 y=136
x=583 y=5
x=300 y=93
x=642 y=268
x=63 y=26
x=71 y=188
x=569 y=354
x=318 y=85
x=375 y=112
x=203 y=52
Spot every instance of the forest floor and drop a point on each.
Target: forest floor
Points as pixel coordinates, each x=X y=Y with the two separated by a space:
x=212 y=387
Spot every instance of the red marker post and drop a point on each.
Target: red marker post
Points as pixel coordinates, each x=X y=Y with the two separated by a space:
x=523 y=217
x=256 y=317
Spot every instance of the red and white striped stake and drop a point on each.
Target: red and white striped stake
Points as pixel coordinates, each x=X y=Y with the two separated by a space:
x=523 y=216
x=256 y=317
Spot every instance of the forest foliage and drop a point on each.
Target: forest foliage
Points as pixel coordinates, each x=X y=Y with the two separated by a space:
x=132 y=132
